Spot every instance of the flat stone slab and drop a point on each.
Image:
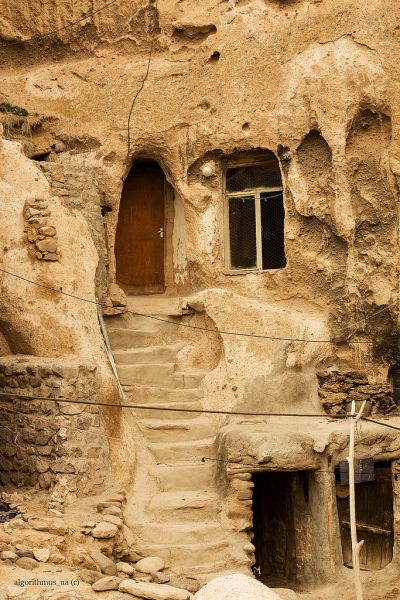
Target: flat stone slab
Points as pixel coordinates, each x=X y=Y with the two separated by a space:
x=153 y=591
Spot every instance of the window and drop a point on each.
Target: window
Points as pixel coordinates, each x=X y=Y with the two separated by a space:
x=255 y=217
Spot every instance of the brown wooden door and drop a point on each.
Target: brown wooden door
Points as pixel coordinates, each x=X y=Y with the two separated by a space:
x=139 y=243
x=273 y=527
x=374 y=511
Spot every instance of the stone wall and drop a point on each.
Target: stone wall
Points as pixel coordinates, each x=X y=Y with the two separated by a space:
x=338 y=388
x=74 y=183
x=47 y=444
x=40 y=232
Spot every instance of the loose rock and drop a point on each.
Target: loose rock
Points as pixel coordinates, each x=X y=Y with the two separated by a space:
x=153 y=591
x=104 y=530
x=235 y=587
x=117 y=521
x=41 y=554
x=126 y=568
x=26 y=563
x=105 y=564
x=151 y=564
x=8 y=555
x=106 y=583
x=89 y=576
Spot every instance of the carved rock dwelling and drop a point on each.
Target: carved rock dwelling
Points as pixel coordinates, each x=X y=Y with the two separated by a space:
x=199 y=273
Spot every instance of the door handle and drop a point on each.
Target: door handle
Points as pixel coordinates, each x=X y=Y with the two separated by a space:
x=161 y=232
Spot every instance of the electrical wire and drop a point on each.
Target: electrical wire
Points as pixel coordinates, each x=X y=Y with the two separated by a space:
x=141 y=86
x=167 y=408
x=5 y=395
x=50 y=33
x=188 y=325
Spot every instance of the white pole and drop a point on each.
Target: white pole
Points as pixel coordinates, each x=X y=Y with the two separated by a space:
x=355 y=545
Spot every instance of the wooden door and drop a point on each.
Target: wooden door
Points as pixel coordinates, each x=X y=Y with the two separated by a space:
x=139 y=243
x=374 y=511
x=273 y=526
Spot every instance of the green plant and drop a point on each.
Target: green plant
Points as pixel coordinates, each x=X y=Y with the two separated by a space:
x=5 y=107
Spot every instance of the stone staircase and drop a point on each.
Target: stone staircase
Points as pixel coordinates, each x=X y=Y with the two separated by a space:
x=176 y=506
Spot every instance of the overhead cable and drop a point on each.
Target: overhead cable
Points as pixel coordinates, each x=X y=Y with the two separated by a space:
x=188 y=325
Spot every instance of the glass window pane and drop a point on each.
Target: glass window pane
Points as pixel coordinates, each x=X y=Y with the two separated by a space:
x=242 y=232
x=272 y=230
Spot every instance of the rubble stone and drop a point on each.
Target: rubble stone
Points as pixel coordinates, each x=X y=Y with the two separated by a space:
x=104 y=530
x=125 y=567
x=105 y=564
x=41 y=554
x=235 y=587
x=153 y=591
x=106 y=583
x=89 y=576
x=26 y=563
x=151 y=564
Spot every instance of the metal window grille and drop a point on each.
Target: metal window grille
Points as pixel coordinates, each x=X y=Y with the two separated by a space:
x=256 y=219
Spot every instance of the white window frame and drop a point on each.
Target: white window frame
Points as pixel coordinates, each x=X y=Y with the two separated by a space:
x=256 y=192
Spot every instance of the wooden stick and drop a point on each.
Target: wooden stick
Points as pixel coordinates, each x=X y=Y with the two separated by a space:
x=355 y=545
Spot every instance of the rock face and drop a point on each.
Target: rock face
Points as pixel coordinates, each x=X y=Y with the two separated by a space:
x=235 y=587
x=311 y=90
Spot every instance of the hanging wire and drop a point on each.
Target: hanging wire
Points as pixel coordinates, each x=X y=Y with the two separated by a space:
x=188 y=325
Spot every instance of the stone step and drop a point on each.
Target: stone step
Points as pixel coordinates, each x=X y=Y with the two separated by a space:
x=149 y=354
x=162 y=374
x=147 y=394
x=205 y=572
x=190 y=379
x=179 y=533
x=150 y=413
x=187 y=555
x=174 y=452
x=183 y=506
x=167 y=428
x=124 y=339
x=185 y=477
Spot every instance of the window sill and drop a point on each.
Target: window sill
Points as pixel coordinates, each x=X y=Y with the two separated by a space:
x=253 y=271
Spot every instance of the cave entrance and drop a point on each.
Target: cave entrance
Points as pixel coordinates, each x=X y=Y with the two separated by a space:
x=374 y=513
x=140 y=236
x=280 y=500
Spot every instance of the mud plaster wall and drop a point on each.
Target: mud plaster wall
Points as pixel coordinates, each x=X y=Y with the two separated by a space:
x=247 y=446
x=314 y=82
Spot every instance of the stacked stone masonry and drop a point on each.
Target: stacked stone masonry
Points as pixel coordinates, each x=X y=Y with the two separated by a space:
x=74 y=183
x=41 y=234
x=337 y=389
x=47 y=444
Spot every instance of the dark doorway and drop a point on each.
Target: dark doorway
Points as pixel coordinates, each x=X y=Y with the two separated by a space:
x=274 y=526
x=139 y=242
x=374 y=514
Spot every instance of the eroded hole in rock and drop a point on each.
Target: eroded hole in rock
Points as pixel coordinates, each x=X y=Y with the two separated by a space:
x=315 y=161
x=7 y=512
x=374 y=502
x=193 y=32
x=246 y=126
x=215 y=56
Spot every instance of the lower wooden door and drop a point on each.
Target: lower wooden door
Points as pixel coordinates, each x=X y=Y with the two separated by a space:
x=374 y=511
